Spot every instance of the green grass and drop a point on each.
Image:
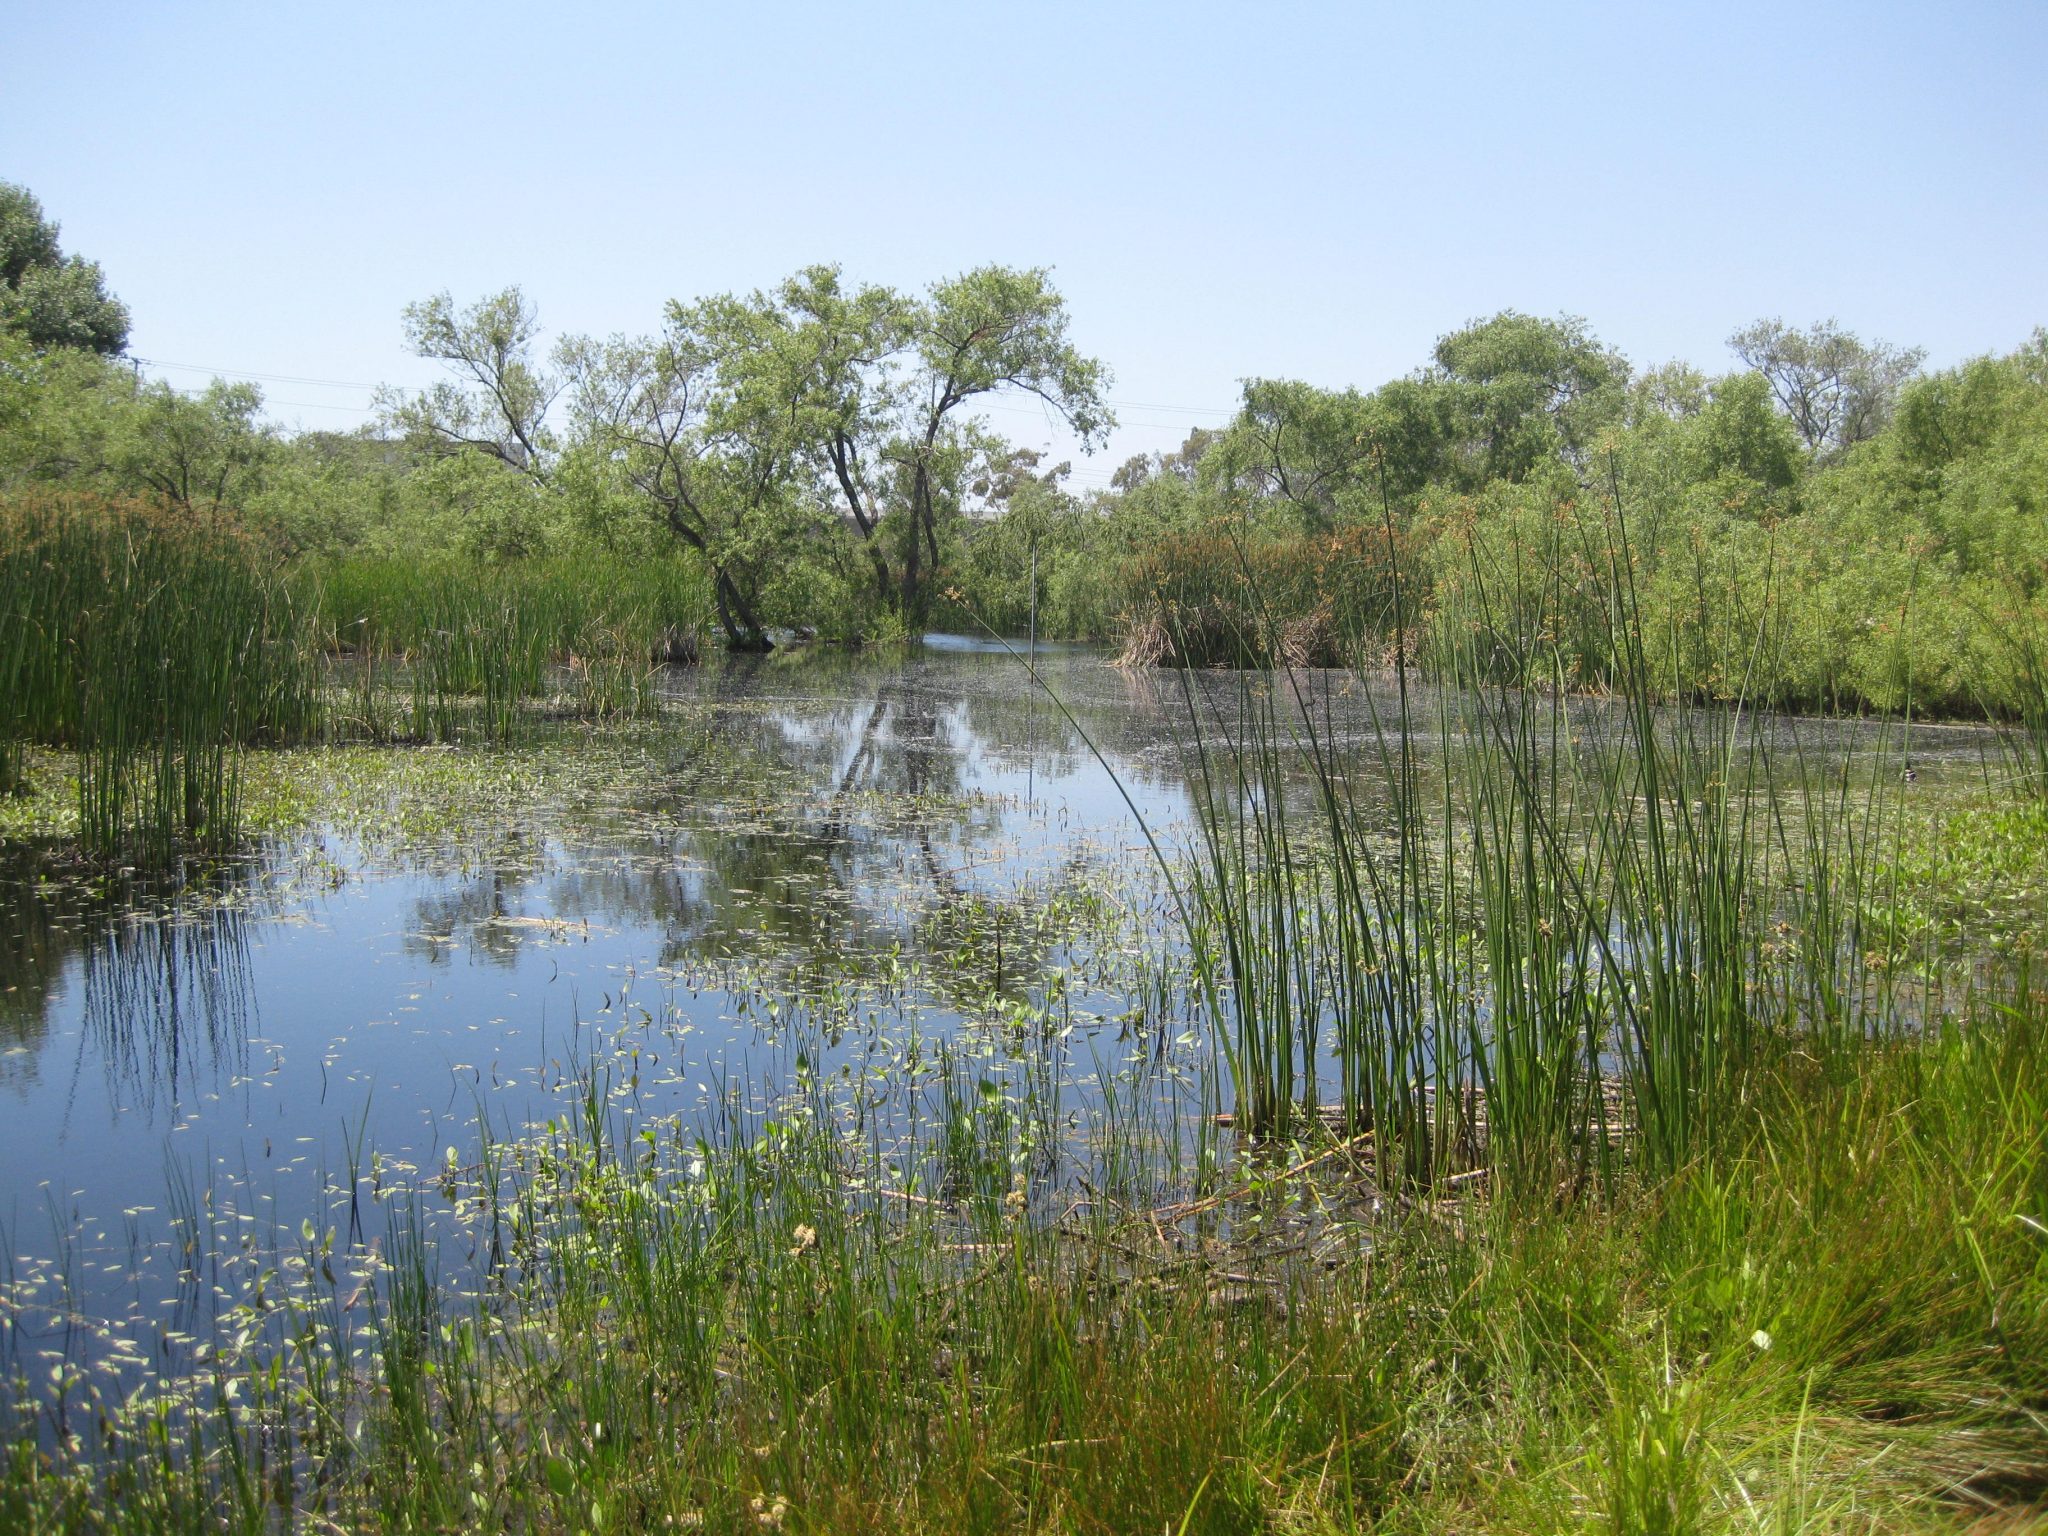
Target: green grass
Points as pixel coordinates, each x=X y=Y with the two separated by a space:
x=1536 y=932
x=156 y=646
x=469 y=644
x=1837 y=1322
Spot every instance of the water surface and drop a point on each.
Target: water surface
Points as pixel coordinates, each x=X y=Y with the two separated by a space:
x=918 y=841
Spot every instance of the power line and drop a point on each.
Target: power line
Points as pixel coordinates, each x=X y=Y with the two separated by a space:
x=194 y=392
x=244 y=373
x=1190 y=410
x=1041 y=410
x=297 y=378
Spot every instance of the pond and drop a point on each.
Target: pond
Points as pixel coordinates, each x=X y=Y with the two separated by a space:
x=919 y=846
x=447 y=940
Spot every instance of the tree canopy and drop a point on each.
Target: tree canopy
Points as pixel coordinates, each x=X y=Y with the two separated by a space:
x=1837 y=389
x=47 y=298
x=821 y=450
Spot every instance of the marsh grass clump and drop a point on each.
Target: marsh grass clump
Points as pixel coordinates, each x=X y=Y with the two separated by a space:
x=474 y=645
x=1523 y=931
x=157 y=644
x=1224 y=597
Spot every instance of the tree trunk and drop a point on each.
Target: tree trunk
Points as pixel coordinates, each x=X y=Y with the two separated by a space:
x=842 y=464
x=743 y=631
x=911 y=598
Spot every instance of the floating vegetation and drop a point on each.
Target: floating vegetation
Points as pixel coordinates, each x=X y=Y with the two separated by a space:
x=803 y=1110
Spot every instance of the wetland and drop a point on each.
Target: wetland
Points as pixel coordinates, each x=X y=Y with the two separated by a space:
x=536 y=994
x=716 y=1115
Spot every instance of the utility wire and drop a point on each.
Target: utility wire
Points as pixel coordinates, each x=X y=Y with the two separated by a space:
x=295 y=378
x=244 y=373
x=1189 y=410
x=194 y=392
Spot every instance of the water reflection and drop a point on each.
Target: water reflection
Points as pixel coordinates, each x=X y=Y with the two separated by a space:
x=162 y=986
x=808 y=819
x=482 y=912
x=883 y=849
x=930 y=822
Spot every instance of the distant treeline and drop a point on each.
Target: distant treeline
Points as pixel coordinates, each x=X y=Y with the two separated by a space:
x=1825 y=525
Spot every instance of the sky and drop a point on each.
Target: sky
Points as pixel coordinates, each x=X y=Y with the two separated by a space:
x=1221 y=191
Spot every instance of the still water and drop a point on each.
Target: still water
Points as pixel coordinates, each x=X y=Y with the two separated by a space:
x=356 y=998
x=449 y=936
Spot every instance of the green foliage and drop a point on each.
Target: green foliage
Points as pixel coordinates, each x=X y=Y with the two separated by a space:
x=326 y=493
x=1838 y=1324
x=1836 y=389
x=1899 y=570
x=47 y=299
x=1524 y=390
x=496 y=402
x=156 y=645
x=471 y=645
x=990 y=330
x=61 y=415
x=787 y=423
x=1737 y=434
x=200 y=454
x=1311 y=449
x=817 y=445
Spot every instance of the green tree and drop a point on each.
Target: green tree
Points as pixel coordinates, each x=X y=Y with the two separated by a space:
x=331 y=493
x=842 y=345
x=62 y=414
x=866 y=398
x=1183 y=462
x=1522 y=391
x=674 y=420
x=1671 y=392
x=992 y=330
x=202 y=453
x=1329 y=455
x=45 y=297
x=496 y=402
x=1960 y=411
x=1295 y=444
x=1737 y=432
x=1837 y=389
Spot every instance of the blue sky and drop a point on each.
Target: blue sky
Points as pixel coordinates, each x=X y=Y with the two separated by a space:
x=1314 y=191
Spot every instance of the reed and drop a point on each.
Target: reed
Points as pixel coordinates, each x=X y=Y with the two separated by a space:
x=1515 y=927
x=156 y=645
x=472 y=646
x=1226 y=596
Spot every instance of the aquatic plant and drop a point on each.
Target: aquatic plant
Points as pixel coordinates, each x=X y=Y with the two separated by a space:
x=1226 y=596
x=788 y=1316
x=473 y=644
x=1554 y=950
x=157 y=644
